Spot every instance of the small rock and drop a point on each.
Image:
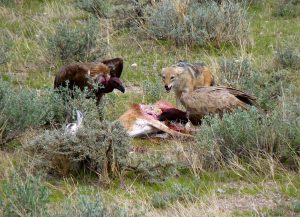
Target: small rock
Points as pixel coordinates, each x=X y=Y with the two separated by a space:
x=220 y=190
x=296 y=206
x=134 y=65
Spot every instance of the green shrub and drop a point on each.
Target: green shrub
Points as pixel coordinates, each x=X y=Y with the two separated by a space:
x=77 y=43
x=21 y=109
x=154 y=168
x=101 y=147
x=5 y=46
x=199 y=23
x=239 y=73
x=233 y=71
x=127 y=13
x=91 y=205
x=29 y=197
x=250 y=133
x=100 y=8
x=288 y=58
x=23 y=197
x=178 y=193
x=7 y=2
x=287 y=8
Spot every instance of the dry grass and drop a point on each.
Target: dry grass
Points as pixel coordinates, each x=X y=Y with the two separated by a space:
x=247 y=188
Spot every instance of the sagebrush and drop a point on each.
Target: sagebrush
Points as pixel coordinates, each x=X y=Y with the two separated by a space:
x=100 y=147
x=27 y=195
x=192 y=23
x=21 y=109
x=5 y=46
x=287 y=8
x=240 y=73
x=251 y=133
x=99 y=8
x=288 y=58
x=73 y=42
x=89 y=205
x=23 y=196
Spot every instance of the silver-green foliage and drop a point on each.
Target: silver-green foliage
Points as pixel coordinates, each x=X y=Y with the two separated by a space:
x=7 y=2
x=102 y=146
x=178 y=193
x=23 y=108
x=6 y=44
x=89 y=205
x=248 y=133
x=240 y=73
x=23 y=197
x=199 y=23
x=288 y=58
x=287 y=8
x=77 y=42
x=100 y=8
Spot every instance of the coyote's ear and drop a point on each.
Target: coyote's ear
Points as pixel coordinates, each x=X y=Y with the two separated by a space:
x=162 y=71
x=115 y=65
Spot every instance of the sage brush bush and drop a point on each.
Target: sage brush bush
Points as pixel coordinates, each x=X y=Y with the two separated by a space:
x=5 y=46
x=127 y=13
x=77 y=43
x=239 y=73
x=102 y=147
x=89 y=205
x=199 y=23
x=7 y=2
x=154 y=168
x=21 y=109
x=232 y=71
x=99 y=8
x=287 y=8
x=247 y=133
x=288 y=58
x=178 y=193
x=23 y=196
x=24 y=108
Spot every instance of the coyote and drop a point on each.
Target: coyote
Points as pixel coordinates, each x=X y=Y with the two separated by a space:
x=186 y=77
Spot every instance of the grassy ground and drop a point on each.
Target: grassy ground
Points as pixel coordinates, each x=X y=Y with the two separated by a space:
x=240 y=189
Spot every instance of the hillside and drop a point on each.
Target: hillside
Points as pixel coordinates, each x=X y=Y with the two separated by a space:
x=245 y=164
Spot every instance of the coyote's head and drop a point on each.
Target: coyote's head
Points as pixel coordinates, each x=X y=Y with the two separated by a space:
x=170 y=76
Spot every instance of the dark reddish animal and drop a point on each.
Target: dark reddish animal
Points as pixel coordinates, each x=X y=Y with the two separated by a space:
x=173 y=115
x=105 y=75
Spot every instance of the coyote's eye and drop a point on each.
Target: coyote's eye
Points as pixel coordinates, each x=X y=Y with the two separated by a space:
x=172 y=77
x=163 y=77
